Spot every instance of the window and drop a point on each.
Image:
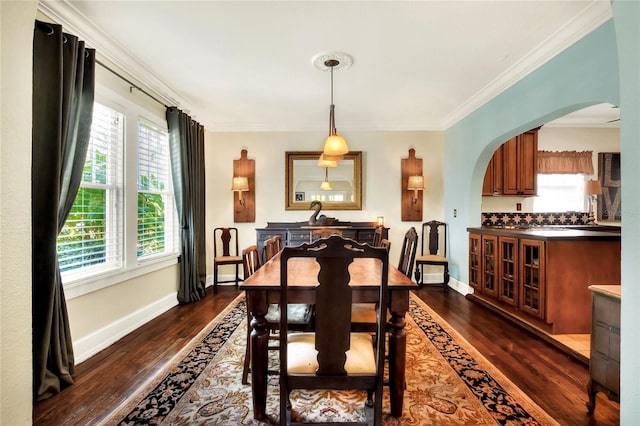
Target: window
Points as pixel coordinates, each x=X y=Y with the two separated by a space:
x=560 y=193
x=90 y=235
x=156 y=222
x=123 y=222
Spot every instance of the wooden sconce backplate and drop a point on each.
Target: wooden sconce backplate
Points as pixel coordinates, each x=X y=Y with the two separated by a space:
x=244 y=167
x=412 y=166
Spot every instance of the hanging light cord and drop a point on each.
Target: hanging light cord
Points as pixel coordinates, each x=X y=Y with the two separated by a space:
x=332 y=121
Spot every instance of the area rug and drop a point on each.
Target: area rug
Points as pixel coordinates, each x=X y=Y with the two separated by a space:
x=448 y=382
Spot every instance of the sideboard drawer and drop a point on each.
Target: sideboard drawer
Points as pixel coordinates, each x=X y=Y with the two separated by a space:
x=298 y=237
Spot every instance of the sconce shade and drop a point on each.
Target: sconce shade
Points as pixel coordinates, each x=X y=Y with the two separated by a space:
x=324 y=162
x=240 y=183
x=415 y=183
x=592 y=187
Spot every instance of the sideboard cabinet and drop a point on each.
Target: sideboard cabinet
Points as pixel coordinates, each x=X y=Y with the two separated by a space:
x=296 y=233
x=604 y=360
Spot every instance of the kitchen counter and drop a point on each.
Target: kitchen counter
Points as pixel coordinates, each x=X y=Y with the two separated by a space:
x=541 y=275
x=546 y=233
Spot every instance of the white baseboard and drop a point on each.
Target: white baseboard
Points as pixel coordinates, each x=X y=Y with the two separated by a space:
x=456 y=285
x=90 y=345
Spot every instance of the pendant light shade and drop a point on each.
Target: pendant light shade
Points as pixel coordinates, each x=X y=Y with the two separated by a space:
x=335 y=145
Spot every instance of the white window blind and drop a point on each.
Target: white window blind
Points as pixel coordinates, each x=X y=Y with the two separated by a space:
x=156 y=208
x=90 y=238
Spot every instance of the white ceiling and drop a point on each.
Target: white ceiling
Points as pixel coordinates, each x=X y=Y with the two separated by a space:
x=239 y=65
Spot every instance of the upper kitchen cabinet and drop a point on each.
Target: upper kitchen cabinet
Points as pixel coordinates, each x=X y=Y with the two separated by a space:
x=513 y=168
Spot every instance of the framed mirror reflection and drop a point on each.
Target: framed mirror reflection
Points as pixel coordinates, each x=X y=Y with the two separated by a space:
x=337 y=188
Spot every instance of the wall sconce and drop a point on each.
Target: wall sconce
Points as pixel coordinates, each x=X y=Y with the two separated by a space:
x=244 y=183
x=240 y=184
x=415 y=184
x=411 y=181
x=592 y=188
x=380 y=221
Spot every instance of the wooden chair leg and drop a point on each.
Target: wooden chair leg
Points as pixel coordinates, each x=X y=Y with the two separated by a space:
x=215 y=279
x=247 y=354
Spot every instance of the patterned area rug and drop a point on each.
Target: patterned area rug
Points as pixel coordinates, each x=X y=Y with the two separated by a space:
x=448 y=383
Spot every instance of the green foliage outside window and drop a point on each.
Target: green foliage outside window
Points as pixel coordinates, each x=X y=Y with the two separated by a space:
x=151 y=227
x=82 y=240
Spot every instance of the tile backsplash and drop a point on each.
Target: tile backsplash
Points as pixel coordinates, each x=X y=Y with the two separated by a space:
x=534 y=219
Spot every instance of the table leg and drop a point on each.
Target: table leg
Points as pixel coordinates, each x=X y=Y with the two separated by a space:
x=397 y=361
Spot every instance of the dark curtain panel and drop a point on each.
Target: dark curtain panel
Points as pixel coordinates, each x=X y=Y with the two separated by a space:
x=186 y=139
x=63 y=91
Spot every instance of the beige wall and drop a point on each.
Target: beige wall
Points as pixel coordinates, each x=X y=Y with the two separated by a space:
x=561 y=139
x=382 y=152
x=15 y=206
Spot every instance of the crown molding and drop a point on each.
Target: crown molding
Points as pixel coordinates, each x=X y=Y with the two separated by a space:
x=594 y=15
x=74 y=21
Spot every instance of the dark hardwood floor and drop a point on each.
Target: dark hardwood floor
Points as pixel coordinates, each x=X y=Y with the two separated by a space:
x=554 y=380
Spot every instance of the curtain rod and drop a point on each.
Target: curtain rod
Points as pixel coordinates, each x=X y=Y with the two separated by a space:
x=133 y=85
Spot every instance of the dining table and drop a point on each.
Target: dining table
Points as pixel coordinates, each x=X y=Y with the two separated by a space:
x=263 y=288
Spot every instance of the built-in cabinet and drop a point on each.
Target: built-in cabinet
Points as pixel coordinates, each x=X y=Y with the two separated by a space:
x=542 y=277
x=508 y=285
x=513 y=169
x=531 y=283
x=604 y=360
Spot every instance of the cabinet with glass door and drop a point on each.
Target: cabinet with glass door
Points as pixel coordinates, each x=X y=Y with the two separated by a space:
x=532 y=284
x=508 y=273
x=489 y=265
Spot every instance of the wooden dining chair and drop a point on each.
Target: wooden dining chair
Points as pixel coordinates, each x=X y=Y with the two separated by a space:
x=270 y=248
x=386 y=244
x=408 y=252
x=434 y=251
x=334 y=357
x=278 y=240
x=225 y=253
x=300 y=315
x=377 y=236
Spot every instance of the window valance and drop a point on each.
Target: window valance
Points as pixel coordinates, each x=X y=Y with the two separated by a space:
x=565 y=162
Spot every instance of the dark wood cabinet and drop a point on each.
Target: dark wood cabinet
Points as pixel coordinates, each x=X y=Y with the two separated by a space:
x=492 y=184
x=508 y=283
x=521 y=164
x=540 y=277
x=475 y=271
x=489 y=265
x=513 y=169
x=532 y=283
x=604 y=359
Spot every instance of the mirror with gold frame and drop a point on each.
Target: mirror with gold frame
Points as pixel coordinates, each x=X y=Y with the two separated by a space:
x=303 y=178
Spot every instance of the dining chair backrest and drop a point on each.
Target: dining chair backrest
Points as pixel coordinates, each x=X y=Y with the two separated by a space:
x=377 y=236
x=251 y=260
x=333 y=367
x=385 y=243
x=434 y=238
x=225 y=242
x=408 y=252
x=270 y=249
x=278 y=240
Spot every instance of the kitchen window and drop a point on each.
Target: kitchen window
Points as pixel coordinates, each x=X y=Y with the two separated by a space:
x=560 y=193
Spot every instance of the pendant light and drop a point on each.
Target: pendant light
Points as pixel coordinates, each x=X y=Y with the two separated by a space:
x=335 y=146
x=326 y=185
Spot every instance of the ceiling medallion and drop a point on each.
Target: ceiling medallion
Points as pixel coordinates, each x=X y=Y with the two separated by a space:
x=322 y=61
